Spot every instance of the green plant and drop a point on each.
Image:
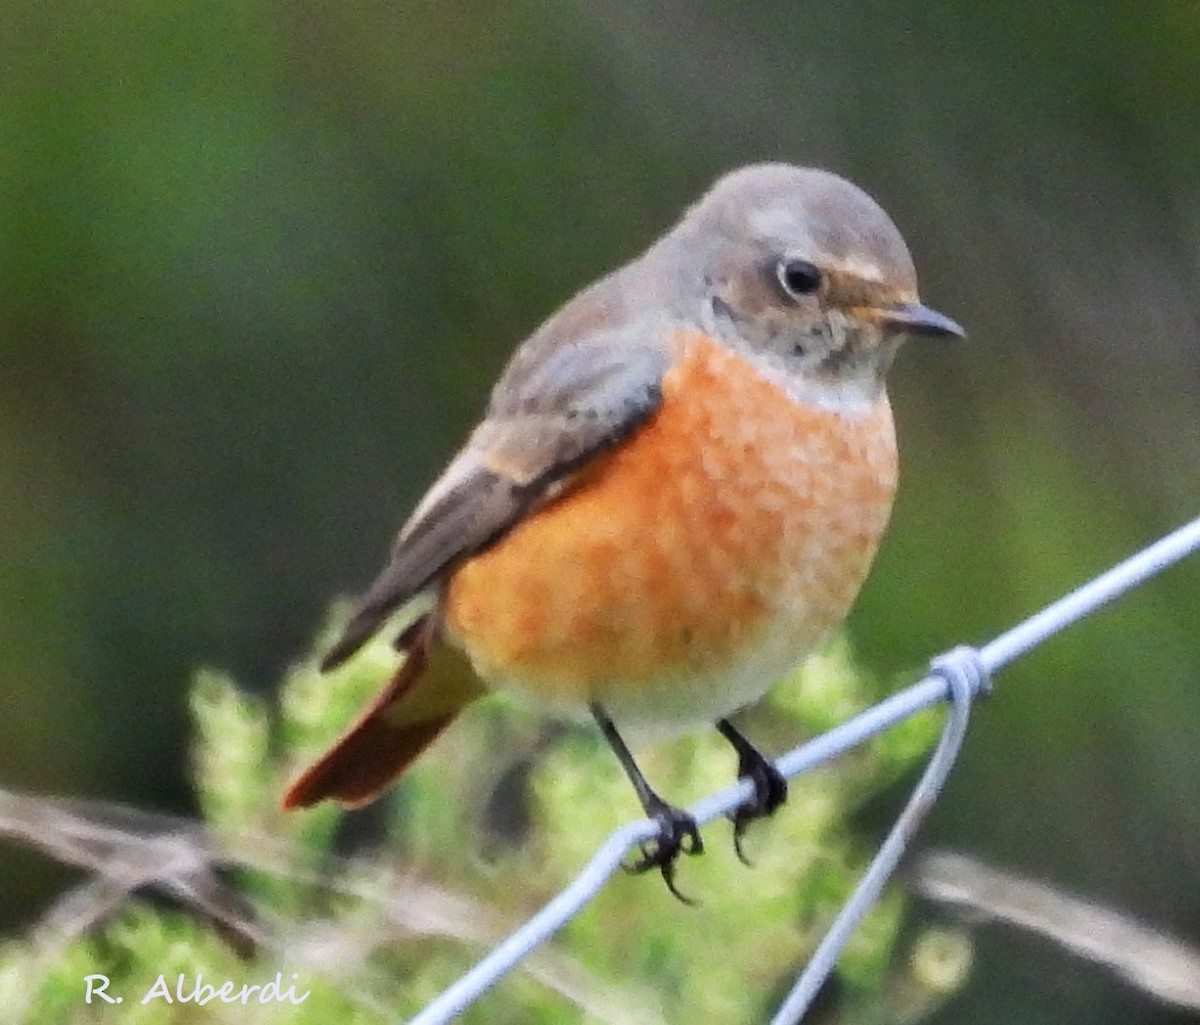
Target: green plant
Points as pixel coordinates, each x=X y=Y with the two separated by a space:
x=496 y=818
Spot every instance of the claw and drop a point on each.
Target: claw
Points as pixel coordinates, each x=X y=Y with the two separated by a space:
x=678 y=834
x=770 y=791
x=677 y=830
x=770 y=786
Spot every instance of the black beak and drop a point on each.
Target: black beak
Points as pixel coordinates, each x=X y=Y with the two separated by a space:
x=916 y=319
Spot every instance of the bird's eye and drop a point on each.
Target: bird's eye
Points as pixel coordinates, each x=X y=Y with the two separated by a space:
x=798 y=277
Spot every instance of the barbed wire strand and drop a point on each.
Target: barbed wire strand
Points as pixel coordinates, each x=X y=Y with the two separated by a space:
x=957 y=676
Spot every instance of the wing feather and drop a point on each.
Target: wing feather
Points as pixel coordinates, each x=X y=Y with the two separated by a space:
x=548 y=417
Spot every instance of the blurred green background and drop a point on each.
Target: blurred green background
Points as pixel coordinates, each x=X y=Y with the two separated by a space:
x=260 y=262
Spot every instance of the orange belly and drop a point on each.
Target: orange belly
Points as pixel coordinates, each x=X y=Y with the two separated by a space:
x=692 y=566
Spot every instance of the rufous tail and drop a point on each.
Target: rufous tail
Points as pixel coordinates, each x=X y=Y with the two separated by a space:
x=424 y=696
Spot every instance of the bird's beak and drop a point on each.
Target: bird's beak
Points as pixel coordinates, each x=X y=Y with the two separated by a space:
x=915 y=319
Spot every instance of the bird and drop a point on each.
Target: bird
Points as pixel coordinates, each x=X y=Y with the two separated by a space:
x=678 y=487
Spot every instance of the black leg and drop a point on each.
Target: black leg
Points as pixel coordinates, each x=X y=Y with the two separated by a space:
x=770 y=787
x=678 y=833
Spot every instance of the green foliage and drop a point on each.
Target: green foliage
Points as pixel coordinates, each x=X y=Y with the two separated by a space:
x=261 y=262
x=479 y=834
x=163 y=967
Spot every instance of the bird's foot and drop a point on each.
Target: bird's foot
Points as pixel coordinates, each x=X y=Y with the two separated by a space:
x=678 y=834
x=770 y=786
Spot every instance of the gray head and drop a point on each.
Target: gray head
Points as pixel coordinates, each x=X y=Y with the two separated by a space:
x=804 y=270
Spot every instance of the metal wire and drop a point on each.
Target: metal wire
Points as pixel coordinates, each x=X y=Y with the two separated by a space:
x=965 y=678
x=959 y=676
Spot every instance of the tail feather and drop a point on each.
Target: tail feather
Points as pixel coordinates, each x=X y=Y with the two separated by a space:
x=424 y=696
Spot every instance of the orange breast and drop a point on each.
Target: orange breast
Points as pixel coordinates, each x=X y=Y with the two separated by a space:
x=694 y=564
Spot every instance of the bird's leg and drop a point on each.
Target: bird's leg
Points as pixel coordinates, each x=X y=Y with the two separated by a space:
x=770 y=787
x=678 y=833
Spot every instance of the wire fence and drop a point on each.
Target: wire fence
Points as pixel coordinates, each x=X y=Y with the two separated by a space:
x=125 y=850
x=957 y=677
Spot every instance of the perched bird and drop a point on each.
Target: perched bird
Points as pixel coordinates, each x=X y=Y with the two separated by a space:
x=675 y=495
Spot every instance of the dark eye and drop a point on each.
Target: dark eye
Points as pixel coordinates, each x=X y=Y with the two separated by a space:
x=798 y=277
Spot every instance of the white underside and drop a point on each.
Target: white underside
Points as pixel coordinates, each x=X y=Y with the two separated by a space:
x=681 y=704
